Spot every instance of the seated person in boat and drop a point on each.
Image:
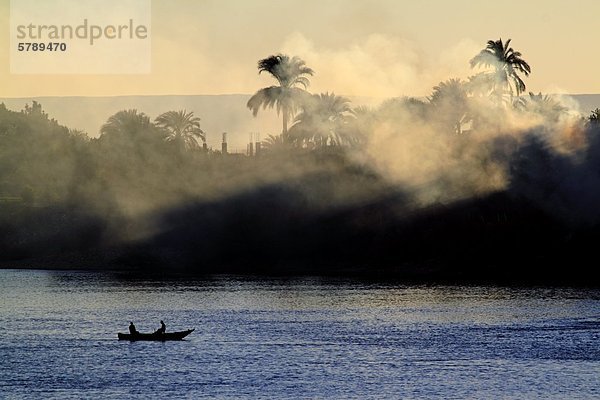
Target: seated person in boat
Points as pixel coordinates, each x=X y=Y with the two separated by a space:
x=132 y=329
x=162 y=328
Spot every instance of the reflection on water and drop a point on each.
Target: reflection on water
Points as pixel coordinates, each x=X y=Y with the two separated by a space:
x=295 y=338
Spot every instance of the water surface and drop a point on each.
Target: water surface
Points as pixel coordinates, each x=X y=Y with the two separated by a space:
x=302 y=338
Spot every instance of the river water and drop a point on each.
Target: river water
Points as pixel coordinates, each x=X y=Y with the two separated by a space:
x=300 y=338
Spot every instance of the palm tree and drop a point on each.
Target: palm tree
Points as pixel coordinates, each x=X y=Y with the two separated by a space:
x=507 y=65
x=181 y=127
x=450 y=104
x=126 y=123
x=323 y=121
x=594 y=117
x=541 y=104
x=362 y=125
x=275 y=144
x=289 y=73
x=129 y=134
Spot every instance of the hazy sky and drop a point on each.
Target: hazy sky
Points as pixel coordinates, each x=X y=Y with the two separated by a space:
x=357 y=47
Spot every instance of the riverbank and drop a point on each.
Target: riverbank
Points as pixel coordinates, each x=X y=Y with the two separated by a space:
x=495 y=239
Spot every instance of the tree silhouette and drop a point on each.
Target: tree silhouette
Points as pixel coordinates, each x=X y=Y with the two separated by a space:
x=594 y=117
x=541 y=104
x=507 y=65
x=127 y=135
x=80 y=134
x=450 y=104
x=276 y=144
x=290 y=73
x=323 y=121
x=182 y=128
x=360 y=127
x=395 y=108
x=126 y=123
x=34 y=109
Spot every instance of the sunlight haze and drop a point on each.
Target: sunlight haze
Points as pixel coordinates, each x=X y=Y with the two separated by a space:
x=381 y=48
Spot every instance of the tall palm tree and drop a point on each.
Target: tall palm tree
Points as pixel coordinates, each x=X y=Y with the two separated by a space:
x=290 y=73
x=182 y=128
x=323 y=121
x=126 y=123
x=507 y=65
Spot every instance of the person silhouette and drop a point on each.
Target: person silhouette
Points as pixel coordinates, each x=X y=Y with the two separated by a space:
x=132 y=329
x=162 y=328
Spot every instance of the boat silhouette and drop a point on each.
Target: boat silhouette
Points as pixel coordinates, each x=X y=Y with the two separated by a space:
x=156 y=336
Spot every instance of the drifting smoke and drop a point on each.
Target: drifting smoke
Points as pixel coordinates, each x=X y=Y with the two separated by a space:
x=439 y=166
x=379 y=66
x=407 y=145
x=405 y=183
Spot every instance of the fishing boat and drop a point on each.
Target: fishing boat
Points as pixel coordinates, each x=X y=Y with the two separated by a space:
x=156 y=336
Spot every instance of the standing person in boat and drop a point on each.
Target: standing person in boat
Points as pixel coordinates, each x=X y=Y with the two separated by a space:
x=162 y=328
x=132 y=329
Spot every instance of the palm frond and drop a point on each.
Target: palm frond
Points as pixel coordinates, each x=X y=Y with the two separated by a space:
x=507 y=64
x=287 y=71
x=323 y=121
x=126 y=122
x=265 y=98
x=485 y=58
x=181 y=126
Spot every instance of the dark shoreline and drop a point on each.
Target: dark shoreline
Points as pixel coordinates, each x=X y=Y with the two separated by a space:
x=494 y=240
x=381 y=277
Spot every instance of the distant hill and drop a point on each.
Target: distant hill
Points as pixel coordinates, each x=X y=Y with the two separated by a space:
x=219 y=113
x=587 y=102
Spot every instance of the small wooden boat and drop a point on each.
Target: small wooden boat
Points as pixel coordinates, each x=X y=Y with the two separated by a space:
x=156 y=337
